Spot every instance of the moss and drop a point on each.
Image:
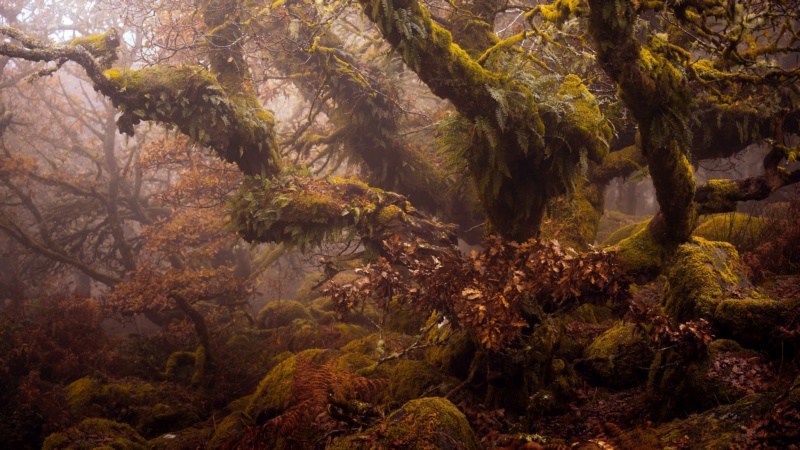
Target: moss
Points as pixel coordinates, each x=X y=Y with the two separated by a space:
x=409 y=379
x=718 y=196
x=153 y=408
x=587 y=120
x=200 y=361
x=740 y=230
x=698 y=278
x=274 y=390
x=162 y=418
x=560 y=11
x=186 y=439
x=624 y=232
x=699 y=383
x=641 y=253
x=96 y=433
x=717 y=429
x=749 y=321
x=620 y=356
x=431 y=422
x=573 y=219
x=230 y=431
x=191 y=99
x=454 y=357
x=280 y=313
x=180 y=366
x=389 y=214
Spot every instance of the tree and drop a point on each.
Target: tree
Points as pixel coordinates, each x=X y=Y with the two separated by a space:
x=525 y=127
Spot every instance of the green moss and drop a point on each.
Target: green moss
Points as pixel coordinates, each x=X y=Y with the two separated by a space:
x=641 y=253
x=274 y=390
x=409 y=379
x=717 y=429
x=619 y=357
x=560 y=11
x=180 y=366
x=718 y=196
x=186 y=439
x=280 y=313
x=230 y=431
x=389 y=214
x=698 y=278
x=152 y=408
x=699 y=383
x=163 y=418
x=431 y=422
x=624 y=232
x=454 y=357
x=96 y=433
x=740 y=230
x=749 y=321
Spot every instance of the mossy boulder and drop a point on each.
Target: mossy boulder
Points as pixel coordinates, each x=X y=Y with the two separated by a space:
x=620 y=357
x=720 y=428
x=96 y=433
x=410 y=379
x=275 y=389
x=278 y=390
x=701 y=275
x=186 y=439
x=743 y=231
x=749 y=321
x=153 y=408
x=230 y=432
x=432 y=422
x=454 y=352
x=700 y=383
x=280 y=313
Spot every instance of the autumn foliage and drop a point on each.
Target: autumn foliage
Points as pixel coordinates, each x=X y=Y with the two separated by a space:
x=490 y=293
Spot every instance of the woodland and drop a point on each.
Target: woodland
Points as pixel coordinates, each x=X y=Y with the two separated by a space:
x=400 y=224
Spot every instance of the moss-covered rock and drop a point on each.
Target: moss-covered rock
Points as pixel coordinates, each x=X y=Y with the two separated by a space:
x=186 y=439
x=620 y=357
x=230 y=432
x=431 y=422
x=409 y=379
x=280 y=313
x=96 y=433
x=740 y=230
x=274 y=391
x=749 y=321
x=454 y=353
x=700 y=383
x=717 y=429
x=700 y=276
x=153 y=408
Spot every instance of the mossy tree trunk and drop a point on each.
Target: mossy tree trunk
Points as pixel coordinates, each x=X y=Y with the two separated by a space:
x=521 y=156
x=657 y=94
